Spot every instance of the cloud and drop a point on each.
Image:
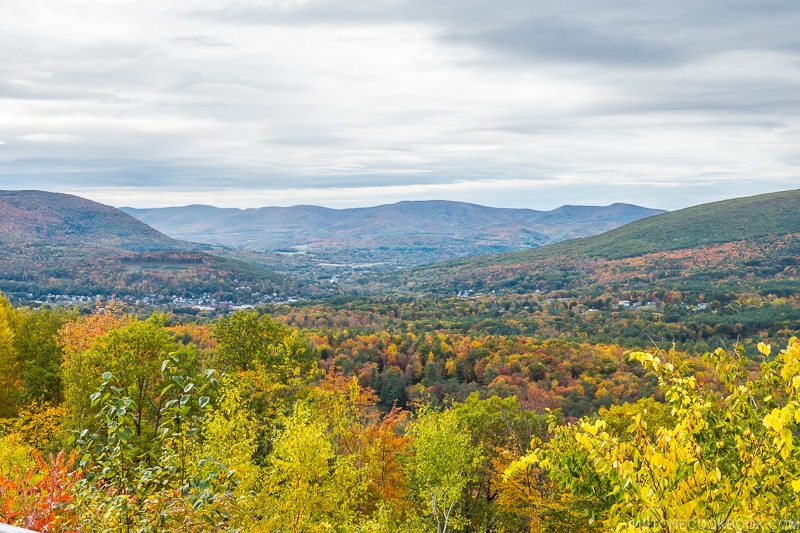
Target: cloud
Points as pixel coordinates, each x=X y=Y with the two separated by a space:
x=330 y=99
x=199 y=40
x=49 y=138
x=554 y=40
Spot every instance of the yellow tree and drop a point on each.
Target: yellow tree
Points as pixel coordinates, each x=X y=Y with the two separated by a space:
x=443 y=465
x=724 y=460
x=308 y=486
x=11 y=376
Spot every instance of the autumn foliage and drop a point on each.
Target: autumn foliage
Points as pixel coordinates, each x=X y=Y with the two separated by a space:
x=41 y=498
x=253 y=425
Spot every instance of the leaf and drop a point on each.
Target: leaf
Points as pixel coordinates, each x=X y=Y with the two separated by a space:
x=167 y=389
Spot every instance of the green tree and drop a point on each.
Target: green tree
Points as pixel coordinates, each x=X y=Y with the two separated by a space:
x=273 y=362
x=36 y=342
x=500 y=429
x=248 y=339
x=134 y=355
x=175 y=487
x=80 y=372
x=442 y=466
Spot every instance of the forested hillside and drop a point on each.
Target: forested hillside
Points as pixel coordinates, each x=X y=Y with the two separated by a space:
x=117 y=423
x=61 y=244
x=746 y=241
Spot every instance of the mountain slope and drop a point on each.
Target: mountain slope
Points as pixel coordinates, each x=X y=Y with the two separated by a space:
x=406 y=233
x=64 y=244
x=712 y=223
x=755 y=238
x=62 y=219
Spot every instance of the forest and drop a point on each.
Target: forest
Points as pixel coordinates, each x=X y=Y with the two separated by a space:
x=496 y=414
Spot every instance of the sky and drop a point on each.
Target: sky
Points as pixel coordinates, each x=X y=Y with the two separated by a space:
x=346 y=103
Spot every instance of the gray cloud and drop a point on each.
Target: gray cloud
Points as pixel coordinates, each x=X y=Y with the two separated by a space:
x=553 y=40
x=528 y=101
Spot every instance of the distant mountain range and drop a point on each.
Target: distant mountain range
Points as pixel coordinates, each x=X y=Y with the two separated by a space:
x=63 y=244
x=402 y=234
x=753 y=240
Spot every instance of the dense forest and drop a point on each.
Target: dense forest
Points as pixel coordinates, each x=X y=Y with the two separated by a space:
x=495 y=414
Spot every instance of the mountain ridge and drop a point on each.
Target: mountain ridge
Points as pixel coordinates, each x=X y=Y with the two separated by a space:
x=405 y=233
x=65 y=244
x=751 y=234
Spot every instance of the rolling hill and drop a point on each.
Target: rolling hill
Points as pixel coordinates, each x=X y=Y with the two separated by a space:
x=401 y=234
x=64 y=244
x=755 y=238
x=30 y=217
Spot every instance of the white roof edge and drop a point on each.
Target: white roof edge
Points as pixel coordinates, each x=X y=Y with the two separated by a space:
x=5 y=528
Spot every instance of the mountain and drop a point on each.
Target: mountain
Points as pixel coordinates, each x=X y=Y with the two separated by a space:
x=29 y=217
x=755 y=238
x=404 y=234
x=64 y=244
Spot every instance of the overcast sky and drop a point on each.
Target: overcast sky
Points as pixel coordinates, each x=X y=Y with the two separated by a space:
x=521 y=103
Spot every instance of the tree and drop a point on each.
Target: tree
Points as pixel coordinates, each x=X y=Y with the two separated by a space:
x=442 y=466
x=308 y=486
x=726 y=459
x=134 y=354
x=41 y=498
x=501 y=430
x=80 y=372
x=248 y=339
x=273 y=363
x=176 y=486
x=36 y=342
x=11 y=376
